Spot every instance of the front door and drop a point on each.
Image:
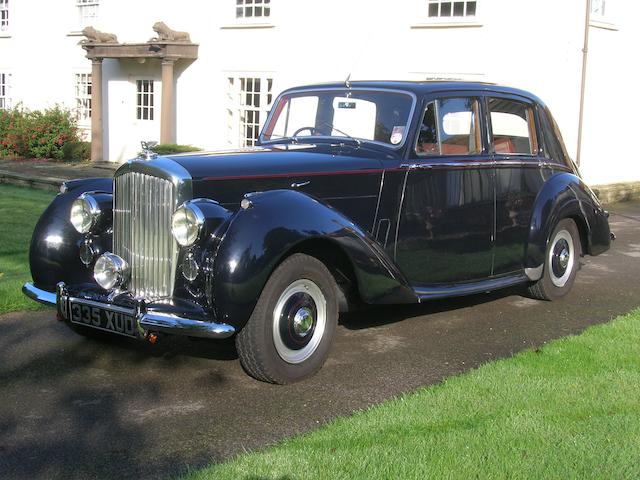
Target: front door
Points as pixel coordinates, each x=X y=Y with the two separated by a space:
x=136 y=117
x=445 y=231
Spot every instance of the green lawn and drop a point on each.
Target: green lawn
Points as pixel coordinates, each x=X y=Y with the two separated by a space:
x=20 y=209
x=568 y=410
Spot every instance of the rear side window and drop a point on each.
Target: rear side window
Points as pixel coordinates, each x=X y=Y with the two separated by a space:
x=512 y=127
x=450 y=127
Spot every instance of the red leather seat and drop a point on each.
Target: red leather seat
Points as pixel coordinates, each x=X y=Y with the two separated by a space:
x=503 y=145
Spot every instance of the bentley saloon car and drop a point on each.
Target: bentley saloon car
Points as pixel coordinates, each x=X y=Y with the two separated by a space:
x=357 y=193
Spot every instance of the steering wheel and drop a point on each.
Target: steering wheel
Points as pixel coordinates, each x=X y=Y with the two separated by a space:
x=312 y=131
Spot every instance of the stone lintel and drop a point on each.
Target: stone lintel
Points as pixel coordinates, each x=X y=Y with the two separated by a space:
x=174 y=50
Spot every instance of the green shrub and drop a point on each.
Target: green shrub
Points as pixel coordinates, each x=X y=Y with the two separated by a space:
x=37 y=134
x=77 y=151
x=169 y=148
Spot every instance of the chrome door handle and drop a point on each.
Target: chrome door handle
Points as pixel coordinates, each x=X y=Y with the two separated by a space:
x=300 y=184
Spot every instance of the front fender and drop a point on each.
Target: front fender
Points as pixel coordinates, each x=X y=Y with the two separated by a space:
x=53 y=253
x=259 y=238
x=565 y=195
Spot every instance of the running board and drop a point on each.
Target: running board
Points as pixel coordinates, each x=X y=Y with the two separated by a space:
x=432 y=293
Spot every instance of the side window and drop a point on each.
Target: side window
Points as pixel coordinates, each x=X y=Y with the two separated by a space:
x=450 y=127
x=513 y=127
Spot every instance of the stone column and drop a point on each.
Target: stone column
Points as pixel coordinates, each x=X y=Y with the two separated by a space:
x=96 y=110
x=168 y=116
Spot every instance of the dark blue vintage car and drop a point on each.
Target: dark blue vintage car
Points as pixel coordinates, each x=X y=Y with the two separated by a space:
x=364 y=192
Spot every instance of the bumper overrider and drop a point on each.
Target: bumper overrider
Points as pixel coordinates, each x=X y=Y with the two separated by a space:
x=137 y=320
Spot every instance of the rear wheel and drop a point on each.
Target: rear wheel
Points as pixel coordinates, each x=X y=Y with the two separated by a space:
x=289 y=334
x=561 y=262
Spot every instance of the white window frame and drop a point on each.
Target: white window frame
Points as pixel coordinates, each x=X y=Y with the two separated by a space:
x=253 y=6
x=5 y=91
x=234 y=21
x=244 y=104
x=601 y=15
x=5 y=17
x=423 y=8
x=88 y=11
x=148 y=110
x=83 y=86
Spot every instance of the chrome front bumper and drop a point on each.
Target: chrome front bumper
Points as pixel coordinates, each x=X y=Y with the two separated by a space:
x=149 y=321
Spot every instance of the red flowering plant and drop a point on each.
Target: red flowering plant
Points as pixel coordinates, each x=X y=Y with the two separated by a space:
x=37 y=134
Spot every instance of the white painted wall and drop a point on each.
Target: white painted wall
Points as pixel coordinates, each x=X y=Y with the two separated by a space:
x=532 y=44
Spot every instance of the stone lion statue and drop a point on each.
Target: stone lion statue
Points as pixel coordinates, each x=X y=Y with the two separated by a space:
x=96 y=36
x=166 y=34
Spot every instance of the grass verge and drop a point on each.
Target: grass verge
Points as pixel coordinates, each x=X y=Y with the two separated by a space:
x=568 y=410
x=20 y=209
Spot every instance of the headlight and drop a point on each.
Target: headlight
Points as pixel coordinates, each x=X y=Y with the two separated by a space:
x=84 y=213
x=111 y=271
x=186 y=224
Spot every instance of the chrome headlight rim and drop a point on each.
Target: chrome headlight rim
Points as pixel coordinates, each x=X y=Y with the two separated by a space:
x=118 y=268
x=192 y=213
x=89 y=204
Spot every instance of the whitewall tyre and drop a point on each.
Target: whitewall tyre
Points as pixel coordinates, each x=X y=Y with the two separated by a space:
x=290 y=331
x=561 y=262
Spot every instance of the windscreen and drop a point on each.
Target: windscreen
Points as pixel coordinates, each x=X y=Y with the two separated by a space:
x=377 y=116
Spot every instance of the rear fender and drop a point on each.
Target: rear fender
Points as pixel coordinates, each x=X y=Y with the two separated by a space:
x=260 y=237
x=565 y=195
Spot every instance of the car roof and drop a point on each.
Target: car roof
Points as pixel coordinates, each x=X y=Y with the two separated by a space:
x=420 y=88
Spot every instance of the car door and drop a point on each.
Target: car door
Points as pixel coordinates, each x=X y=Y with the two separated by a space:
x=520 y=173
x=446 y=219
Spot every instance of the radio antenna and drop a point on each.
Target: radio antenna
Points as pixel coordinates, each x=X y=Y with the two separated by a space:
x=347 y=83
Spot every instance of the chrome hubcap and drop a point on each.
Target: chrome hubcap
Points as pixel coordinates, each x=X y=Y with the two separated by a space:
x=303 y=321
x=299 y=321
x=561 y=258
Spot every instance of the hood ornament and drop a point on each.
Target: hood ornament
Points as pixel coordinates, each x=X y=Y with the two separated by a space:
x=147 y=152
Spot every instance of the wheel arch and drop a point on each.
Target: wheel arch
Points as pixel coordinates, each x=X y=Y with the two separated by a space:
x=565 y=195
x=583 y=231
x=333 y=256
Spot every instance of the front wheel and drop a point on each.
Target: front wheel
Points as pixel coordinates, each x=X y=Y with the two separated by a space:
x=289 y=334
x=561 y=262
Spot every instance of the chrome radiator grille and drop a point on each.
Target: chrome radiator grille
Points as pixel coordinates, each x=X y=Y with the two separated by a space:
x=143 y=205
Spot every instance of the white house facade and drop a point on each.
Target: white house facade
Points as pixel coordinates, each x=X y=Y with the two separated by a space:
x=578 y=56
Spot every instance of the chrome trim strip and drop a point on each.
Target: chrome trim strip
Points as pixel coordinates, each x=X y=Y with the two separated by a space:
x=488 y=163
x=39 y=295
x=166 y=322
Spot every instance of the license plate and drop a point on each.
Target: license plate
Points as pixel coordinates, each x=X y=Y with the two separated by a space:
x=95 y=315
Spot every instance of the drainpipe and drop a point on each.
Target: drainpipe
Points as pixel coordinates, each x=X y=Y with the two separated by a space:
x=585 y=52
